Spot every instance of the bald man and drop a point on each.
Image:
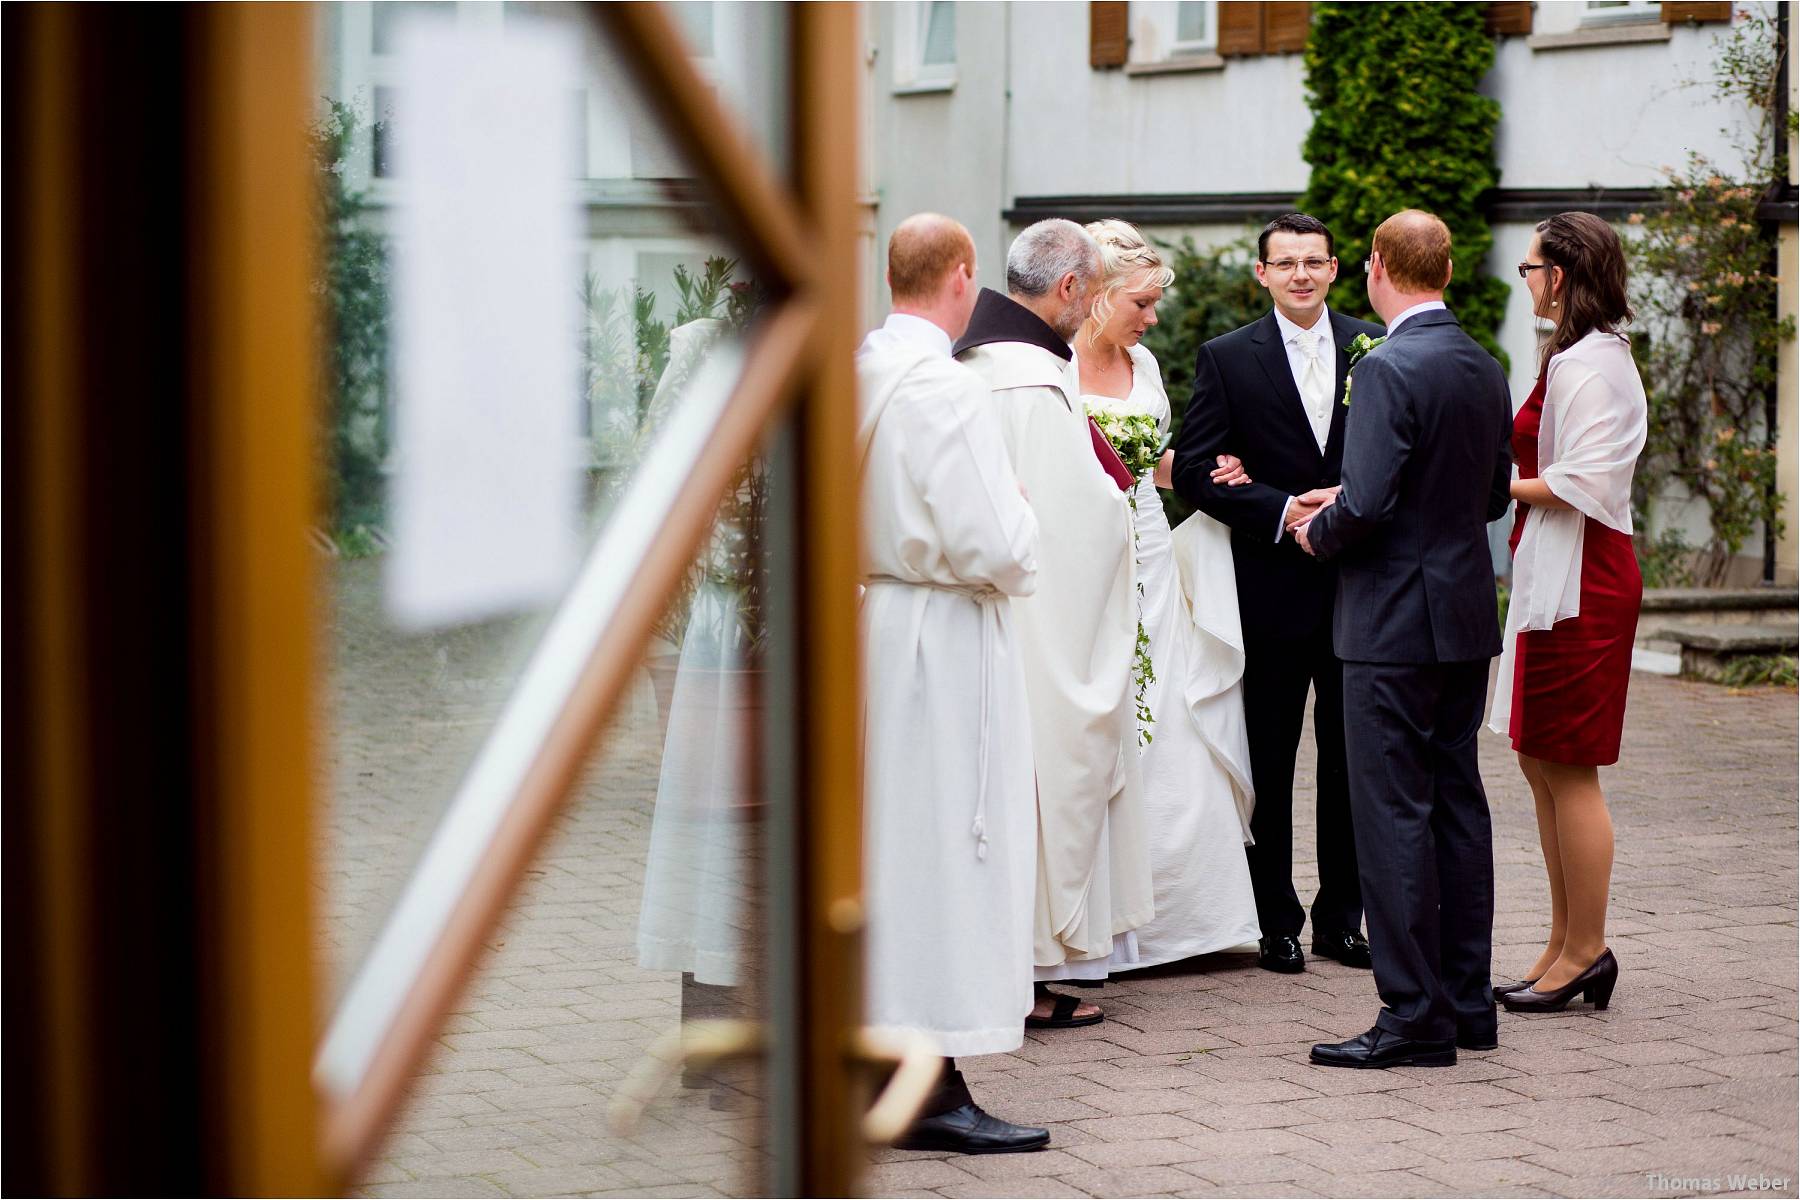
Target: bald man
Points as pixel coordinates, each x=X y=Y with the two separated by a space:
x=950 y=817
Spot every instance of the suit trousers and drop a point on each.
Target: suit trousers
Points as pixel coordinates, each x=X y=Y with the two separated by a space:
x=1425 y=841
x=1277 y=674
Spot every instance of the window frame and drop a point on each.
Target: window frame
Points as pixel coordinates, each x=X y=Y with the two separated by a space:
x=1180 y=48
x=1619 y=12
x=912 y=31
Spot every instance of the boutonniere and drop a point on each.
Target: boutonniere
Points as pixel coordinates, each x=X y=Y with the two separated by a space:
x=1360 y=345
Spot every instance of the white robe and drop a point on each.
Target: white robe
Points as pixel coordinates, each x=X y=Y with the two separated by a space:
x=1079 y=637
x=950 y=826
x=1197 y=788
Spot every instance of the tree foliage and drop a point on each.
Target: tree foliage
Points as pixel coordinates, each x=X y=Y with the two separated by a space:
x=1398 y=122
x=352 y=286
x=1215 y=292
x=1705 y=289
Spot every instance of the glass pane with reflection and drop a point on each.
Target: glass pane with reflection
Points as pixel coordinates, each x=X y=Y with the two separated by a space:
x=645 y=910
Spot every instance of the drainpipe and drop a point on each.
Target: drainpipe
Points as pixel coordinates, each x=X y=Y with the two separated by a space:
x=1772 y=398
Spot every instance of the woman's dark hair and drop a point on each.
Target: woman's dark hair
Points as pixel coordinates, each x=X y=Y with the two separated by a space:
x=1293 y=223
x=1593 y=278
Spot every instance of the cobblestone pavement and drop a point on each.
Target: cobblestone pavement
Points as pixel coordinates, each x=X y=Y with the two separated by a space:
x=1197 y=1082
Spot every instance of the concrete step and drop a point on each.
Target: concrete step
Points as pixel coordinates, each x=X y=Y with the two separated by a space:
x=1706 y=649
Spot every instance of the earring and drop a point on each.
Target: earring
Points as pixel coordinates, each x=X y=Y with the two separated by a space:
x=1554 y=303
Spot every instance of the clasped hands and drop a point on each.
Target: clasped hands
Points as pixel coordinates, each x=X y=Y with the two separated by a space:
x=1303 y=508
x=1300 y=510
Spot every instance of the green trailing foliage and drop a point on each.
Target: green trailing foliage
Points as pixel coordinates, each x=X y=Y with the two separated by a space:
x=1399 y=122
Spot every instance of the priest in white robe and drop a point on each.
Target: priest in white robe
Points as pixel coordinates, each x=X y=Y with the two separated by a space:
x=1078 y=631
x=950 y=824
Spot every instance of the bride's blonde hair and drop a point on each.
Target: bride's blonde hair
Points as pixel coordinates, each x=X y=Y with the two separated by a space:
x=1126 y=257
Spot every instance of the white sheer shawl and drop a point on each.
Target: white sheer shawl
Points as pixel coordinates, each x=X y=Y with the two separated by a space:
x=1593 y=427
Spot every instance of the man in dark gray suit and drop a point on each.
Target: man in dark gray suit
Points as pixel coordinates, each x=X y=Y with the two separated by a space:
x=1427 y=464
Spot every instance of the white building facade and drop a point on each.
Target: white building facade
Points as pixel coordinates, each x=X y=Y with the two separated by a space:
x=998 y=114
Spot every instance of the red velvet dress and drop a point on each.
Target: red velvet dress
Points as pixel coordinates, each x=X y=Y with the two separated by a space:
x=1568 y=702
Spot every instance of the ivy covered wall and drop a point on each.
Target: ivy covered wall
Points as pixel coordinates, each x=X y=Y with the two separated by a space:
x=1398 y=123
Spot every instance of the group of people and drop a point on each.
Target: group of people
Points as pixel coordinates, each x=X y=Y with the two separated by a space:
x=1081 y=725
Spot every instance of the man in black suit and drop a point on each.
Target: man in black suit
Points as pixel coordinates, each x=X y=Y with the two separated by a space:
x=1270 y=394
x=1427 y=464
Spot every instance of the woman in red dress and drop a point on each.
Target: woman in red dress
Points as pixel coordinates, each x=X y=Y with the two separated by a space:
x=1576 y=591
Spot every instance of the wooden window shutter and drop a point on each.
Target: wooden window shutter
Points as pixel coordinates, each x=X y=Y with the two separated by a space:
x=1108 y=33
x=1285 y=26
x=1240 y=28
x=1707 y=10
x=1509 y=19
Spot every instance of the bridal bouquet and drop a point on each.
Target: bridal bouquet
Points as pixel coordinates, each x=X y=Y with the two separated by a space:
x=1139 y=444
x=1134 y=435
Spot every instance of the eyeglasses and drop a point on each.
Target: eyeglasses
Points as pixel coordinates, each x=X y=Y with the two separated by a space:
x=1285 y=266
x=1525 y=269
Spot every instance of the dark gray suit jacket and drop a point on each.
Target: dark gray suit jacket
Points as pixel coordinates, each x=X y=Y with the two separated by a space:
x=1427 y=464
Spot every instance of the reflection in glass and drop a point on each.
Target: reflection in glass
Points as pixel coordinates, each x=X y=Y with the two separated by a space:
x=646 y=908
x=661 y=295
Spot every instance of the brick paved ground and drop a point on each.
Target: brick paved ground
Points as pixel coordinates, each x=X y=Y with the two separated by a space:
x=1197 y=1083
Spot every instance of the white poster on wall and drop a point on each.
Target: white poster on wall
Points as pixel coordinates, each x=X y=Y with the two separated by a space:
x=486 y=483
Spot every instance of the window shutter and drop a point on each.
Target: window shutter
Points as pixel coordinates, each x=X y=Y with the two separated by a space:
x=1107 y=34
x=1703 y=11
x=1240 y=28
x=1286 y=24
x=1509 y=19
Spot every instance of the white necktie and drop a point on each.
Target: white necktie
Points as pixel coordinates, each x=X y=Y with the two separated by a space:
x=1315 y=386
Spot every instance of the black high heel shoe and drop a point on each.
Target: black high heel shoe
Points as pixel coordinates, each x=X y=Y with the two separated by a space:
x=1517 y=985
x=1595 y=985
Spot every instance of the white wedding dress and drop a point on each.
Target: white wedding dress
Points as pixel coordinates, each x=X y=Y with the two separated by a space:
x=1196 y=769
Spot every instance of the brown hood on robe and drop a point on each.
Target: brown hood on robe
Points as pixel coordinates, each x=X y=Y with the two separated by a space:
x=1000 y=318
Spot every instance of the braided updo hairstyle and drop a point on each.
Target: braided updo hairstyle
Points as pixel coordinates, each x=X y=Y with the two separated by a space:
x=1128 y=262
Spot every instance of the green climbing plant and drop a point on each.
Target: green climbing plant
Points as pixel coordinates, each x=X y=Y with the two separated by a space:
x=1399 y=122
x=1709 y=330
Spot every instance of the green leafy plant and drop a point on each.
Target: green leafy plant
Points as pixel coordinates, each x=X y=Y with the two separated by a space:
x=1664 y=559
x=352 y=287
x=1775 y=670
x=1399 y=122
x=1215 y=292
x=1705 y=289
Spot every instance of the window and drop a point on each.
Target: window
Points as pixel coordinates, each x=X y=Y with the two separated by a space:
x=925 y=46
x=1609 y=12
x=1188 y=35
x=937 y=40
x=1193 y=27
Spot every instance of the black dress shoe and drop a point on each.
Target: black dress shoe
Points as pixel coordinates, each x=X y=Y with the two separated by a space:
x=1595 y=985
x=1466 y=1040
x=968 y=1130
x=1379 y=1048
x=1351 y=949
x=1517 y=985
x=1281 y=954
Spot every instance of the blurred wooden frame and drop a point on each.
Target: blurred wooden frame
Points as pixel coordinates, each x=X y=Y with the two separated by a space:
x=802 y=357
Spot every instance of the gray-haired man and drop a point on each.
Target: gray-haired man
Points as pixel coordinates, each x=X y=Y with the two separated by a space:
x=1078 y=633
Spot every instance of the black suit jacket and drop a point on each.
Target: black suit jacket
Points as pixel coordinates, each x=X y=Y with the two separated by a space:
x=1427 y=464
x=1245 y=403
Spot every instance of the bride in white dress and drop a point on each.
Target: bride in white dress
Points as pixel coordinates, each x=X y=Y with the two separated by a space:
x=1196 y=764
